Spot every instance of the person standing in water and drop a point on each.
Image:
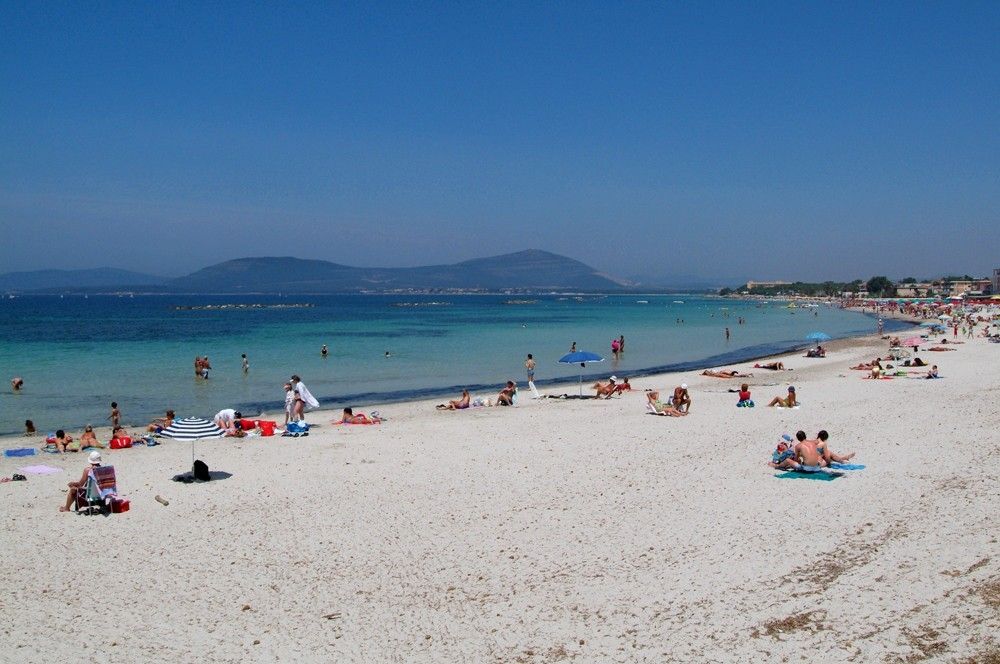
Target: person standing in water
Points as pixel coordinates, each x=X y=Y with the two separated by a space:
x=246 y=363
x=727 y=334
x=621 y=344
x=323 y=351
x=572 y=347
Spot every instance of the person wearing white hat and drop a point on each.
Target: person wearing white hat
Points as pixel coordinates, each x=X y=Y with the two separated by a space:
x=682 y=399
x=94 y=460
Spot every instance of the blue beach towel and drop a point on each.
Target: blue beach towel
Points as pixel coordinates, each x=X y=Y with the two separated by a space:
x=821 y=475
x=847 y=466
x=19 y=452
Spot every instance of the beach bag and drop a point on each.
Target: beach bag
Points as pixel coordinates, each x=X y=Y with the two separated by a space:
x=297 y=427
x=200 y=471
x=120 y=443
x=266 y=427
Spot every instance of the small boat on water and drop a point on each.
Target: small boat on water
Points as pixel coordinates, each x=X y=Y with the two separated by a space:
x=678 y=301
x=642 y=301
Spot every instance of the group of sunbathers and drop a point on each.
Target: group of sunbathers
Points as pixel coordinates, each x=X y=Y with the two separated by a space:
x=806 y=454
x=818 y=351
x=612 y=387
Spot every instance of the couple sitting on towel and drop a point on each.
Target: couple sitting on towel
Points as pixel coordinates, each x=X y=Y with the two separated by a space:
x=806 y=455
x=611 y=388
x=678 y=405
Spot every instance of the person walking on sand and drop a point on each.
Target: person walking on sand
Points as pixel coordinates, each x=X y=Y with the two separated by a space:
x=303 y=398
x=115 y=415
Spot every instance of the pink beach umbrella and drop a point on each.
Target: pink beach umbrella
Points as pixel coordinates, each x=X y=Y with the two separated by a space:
x=914 y=342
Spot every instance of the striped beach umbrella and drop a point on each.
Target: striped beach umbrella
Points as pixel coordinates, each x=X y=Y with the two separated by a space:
x=192 y=428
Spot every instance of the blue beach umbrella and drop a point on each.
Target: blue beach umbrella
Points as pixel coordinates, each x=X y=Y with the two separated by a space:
x=581 y=357
x=818 y=336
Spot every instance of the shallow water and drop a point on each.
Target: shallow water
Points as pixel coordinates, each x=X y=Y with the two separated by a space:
x=78 y=354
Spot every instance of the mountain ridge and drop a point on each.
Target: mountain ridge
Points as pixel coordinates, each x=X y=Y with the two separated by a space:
x=531 y=269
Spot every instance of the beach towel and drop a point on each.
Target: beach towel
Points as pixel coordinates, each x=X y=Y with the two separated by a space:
x=19 y=452
x=821 y=475
x=40 y=470
x=846 y=466
x=306 y=395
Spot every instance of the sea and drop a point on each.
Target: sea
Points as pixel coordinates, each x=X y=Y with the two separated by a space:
x=79 y=353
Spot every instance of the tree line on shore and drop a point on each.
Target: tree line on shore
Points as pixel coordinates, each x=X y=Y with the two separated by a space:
x=881 y=286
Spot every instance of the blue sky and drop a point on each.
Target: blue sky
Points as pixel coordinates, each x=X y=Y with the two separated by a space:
x=749 y=140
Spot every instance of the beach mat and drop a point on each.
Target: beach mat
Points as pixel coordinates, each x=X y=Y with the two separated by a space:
x=40 y=470
x=19 y=452
x=822 y=476
x=846 y=466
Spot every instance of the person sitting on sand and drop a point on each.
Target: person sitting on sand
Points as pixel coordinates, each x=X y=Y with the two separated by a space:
x=161 y=423
x=807 y=455
x=725 y=373
x=788 y=402
x=818 y=351
x=933 y=373
x=29 y=428
x=745 y=400
x=94 y=461
x=456 y=404
x=829 y=456
x=682 y=398
x=348 y=417
x=605 y=390
x=783 y=457
x=773 y=366
x=876 y=371
x=506 y=395
x=88 y=439
x=660 y=408
x=917 y=362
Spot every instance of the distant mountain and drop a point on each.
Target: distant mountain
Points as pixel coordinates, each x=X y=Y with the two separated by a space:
x=531 y=269
x=76 y=279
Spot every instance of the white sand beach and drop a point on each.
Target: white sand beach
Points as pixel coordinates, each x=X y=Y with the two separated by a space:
x=586 y=531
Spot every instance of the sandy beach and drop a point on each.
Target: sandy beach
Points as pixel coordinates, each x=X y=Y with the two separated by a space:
x=574 y=530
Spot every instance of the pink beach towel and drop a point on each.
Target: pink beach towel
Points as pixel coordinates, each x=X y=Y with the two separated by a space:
x=40 y=470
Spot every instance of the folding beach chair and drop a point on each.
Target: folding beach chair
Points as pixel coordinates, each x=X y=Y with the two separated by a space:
x=98 y=492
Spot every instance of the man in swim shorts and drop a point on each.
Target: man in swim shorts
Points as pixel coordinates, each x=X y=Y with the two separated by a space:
x=682 y=398
x=809 y=457
x=529 y=366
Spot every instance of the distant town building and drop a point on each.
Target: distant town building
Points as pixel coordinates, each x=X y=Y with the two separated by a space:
x=766 y=284
x=996 y=281
x=922 y=289
x=960 y=286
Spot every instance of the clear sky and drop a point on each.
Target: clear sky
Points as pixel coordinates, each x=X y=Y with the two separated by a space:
x=756 y=140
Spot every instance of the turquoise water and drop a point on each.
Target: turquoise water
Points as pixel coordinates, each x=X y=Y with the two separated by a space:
x=78 y=354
